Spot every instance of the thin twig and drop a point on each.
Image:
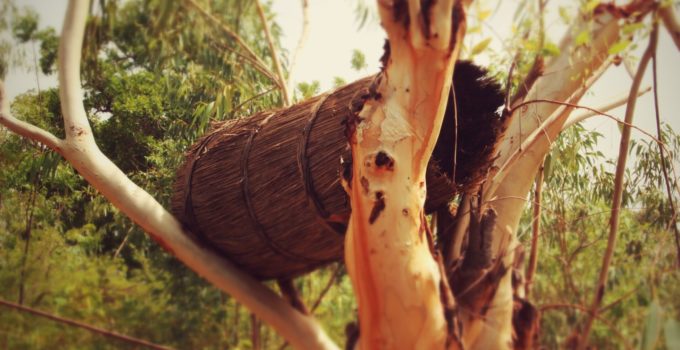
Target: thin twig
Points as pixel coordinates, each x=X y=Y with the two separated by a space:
x=250 y=99
x=618 y=190
x=508 y=85
x=122 y=244
x=672 y=223
x=584 y=309
x=82 y=325
x=526 y=145
x=593 y=110
x=535 y=232
x=538 y=66
x=25 y=129
x=274 y=54
x=323 y=293
x=620 y=299
x=536 y=71
x=291 y=294
x=328 y=286
x=226 y=30
x=27 y=236
x=253 y=62
x=617 y=102
x=255 y=339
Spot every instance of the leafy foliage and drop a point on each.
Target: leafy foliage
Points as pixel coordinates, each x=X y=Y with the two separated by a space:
x=576 y=210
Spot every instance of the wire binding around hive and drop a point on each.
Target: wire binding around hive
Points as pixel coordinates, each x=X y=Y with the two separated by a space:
x=190 y=216
x=305 y=171
x=249 y=204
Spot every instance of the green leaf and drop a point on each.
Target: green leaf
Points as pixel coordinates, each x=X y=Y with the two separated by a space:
x=583 y=38
x=481 y=46
x=631 y=28
x=619 y=46
x=483 y=14
x=565 y=15
x=671 y=330
x=339 y=81
x=24 y=27
x=550 y=49
x=358 y=60
x=652 y=327
x=590 y=6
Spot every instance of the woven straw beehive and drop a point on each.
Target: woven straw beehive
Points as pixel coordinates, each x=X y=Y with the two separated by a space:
x=265 y=191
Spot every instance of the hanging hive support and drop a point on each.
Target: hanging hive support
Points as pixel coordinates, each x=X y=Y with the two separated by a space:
x=265 y=190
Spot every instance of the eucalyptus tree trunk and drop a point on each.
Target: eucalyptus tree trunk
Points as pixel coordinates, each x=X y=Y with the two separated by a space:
x=398 y=280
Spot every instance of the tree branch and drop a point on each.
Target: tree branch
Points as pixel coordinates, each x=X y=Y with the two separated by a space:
x=670 y=21
x=253 y=62
x=582 y=308
x=662 y=156
x=100 y=331
x=25 y=129
x=274 y=53
x=618 y=190
x=535 y=232
x=602 y=110
x=550 y=129
x=566 y=78
x=82 y=152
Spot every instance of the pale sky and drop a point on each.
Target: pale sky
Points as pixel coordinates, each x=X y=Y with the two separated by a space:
x=334 y=34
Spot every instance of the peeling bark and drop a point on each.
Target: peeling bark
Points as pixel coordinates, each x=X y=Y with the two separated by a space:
x=389 y=253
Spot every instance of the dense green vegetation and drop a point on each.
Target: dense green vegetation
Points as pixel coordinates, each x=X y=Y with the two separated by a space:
x=155 y=74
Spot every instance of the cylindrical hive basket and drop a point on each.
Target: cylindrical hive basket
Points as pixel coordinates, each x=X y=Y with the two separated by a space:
x=265 y=190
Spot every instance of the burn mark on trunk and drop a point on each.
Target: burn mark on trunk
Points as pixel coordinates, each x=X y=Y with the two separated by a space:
x=364 y=184
x=385 y=58
x=384 y=161
x=78 y=131
x=426 y=16
x=352 y=335
x=378 y=207
x=351 y=123
x=400 y=11
x=525 y=323
x=346 y=165
x=373 y=88
x=457 y=17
